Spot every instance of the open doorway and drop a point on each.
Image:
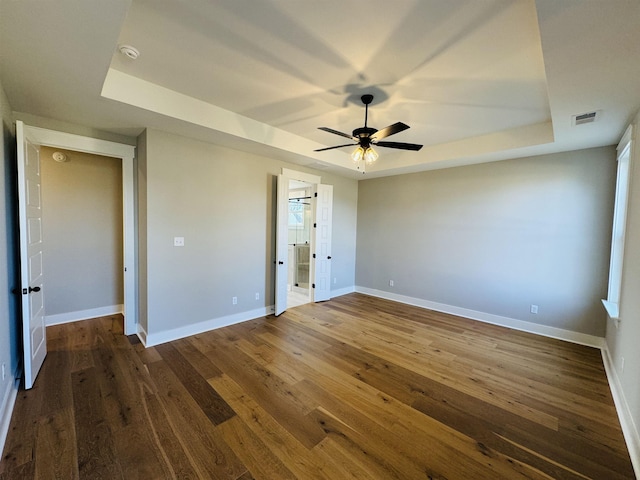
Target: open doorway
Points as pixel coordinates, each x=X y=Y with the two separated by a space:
x=40 y=137
x=293 y=185
x=82 y=231
x=29 y=141
x=299 y=243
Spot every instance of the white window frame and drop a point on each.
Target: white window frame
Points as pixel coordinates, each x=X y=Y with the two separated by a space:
x=614 y=293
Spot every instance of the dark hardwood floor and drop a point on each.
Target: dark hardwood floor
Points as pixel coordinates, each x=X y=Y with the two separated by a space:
x=356 y=387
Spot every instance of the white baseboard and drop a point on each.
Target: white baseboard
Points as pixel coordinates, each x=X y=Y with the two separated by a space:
x=544 y=330
x=629 y=429
x=153 y=339
x=82 y=315
x=6 y=407
x=342 y=291
x=149 y=340
x=142 y=334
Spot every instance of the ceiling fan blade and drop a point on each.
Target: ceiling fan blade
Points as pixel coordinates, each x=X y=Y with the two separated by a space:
x=337 y=146
x=336 y=132
x=390 y=130
x=400 y=145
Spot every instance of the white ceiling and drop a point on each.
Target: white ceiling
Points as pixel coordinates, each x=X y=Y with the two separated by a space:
x=476 y=80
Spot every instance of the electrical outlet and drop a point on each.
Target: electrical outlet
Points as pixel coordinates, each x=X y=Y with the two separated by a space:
x=534 y=309
x=178 y=241
x=391 y=283
x=234 y=300
x=4 y=371
x=257 y=296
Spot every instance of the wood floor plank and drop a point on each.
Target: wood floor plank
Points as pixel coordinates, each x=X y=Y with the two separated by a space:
x=354 y=388
x=208 y=453
x=282 y=443
x=96 y=453
x=288 y=406
x=20 y=446
x=175 y=454
x=56 y=443
x=260 y=461
x=196 y=358
x=209 y=401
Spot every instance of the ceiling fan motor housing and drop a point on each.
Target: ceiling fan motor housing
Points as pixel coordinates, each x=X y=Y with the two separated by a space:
x=364 y=135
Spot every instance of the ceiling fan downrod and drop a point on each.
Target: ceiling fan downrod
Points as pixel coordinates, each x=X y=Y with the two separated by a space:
x=366 y=99
x=364 y=133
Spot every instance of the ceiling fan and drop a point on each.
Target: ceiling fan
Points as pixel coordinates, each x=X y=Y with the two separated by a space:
x=366 y=136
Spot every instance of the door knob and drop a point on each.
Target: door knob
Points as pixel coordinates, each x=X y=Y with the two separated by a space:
x=280 y=262
x=34 y=289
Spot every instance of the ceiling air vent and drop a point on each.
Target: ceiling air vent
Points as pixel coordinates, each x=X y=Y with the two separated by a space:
x=585 y=118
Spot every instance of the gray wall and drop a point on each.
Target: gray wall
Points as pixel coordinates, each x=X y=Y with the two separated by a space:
x=222 y=202
x=9 y=323
x=622 y=341
x=82 y=231
x=496 y=238
x=141 y=217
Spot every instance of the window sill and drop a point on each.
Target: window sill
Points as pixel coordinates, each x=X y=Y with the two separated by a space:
x=612 y=309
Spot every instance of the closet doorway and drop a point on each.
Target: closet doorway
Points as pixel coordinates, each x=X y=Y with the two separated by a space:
x=29 y=141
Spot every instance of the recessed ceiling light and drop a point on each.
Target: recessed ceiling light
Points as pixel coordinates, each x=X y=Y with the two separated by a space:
x=129 y=51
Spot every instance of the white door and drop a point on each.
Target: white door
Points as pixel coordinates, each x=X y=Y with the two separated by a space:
x=34 y=333
x=322 y=243
x=282 y=240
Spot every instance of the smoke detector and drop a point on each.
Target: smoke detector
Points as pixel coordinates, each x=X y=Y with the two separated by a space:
x=129 y=51
x=60 y=157
x=583 y=118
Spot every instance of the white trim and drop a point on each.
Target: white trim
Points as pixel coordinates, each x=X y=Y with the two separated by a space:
x=625 y=140
x=196 y=328
x=6 y=407
x=69 y=141
x=188 y=330
x=69 y=317
x=342 y=291
x=142 y=335
x=300 y=176
x=629 y=430
x=544 y=330
x=53 y=138
x=612 y=309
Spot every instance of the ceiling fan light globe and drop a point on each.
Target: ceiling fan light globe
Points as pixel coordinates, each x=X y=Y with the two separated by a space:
x=370 y=156
x=357 y=154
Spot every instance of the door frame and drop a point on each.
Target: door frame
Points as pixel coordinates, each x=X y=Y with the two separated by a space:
x=313 y=181
x=79 y=143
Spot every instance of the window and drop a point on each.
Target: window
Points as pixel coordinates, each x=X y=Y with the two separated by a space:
x=611 y=304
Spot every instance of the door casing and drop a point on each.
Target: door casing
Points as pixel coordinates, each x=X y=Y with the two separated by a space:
x=79 y=143
x=281 y=261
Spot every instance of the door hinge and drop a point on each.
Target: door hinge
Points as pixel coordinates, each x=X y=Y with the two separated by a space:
x=314 y=225
x=313 y=285
x=315 y=194
x=314 y=255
